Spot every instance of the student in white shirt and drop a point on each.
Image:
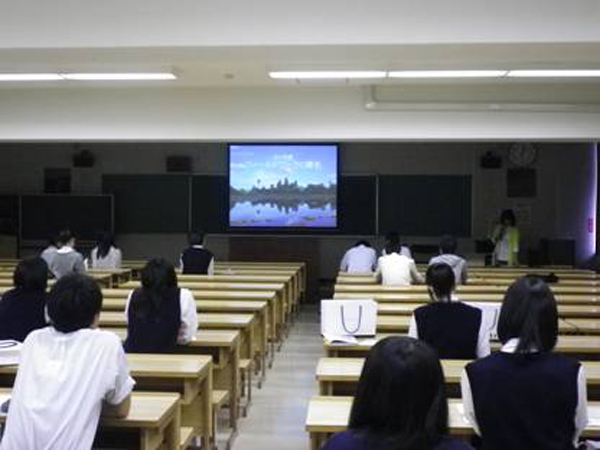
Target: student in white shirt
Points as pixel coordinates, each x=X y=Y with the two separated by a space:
x=49 y=252
x=197 y=260
x=105 y=255
x=448 y=256
x=67 y=260
x=526 y=396
x=70 y=373
x=359 y=259
x=395 y=269
x=455 y=330
x=159 y=314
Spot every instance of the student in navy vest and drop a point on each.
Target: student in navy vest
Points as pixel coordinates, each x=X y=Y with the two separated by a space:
x=159 y=314
x=526 y=396
x=22 y=308
x=400 y=402
x=454 y=329
x=196 y=260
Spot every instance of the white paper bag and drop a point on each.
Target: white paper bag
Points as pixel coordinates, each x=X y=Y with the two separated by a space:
x=342 y=318
x=490 y=316
x=10 y=352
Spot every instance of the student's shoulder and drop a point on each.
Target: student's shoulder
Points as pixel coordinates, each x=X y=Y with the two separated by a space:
x=102 y=338
x=344 y=441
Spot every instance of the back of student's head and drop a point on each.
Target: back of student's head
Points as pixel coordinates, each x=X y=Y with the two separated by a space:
x=362 y=242
x=196 y=238
x=440 y=278
x=400 y=402
x=448 y=244
x=105 y=242
x=73 y=302
x=392 y=247
x=158 y=276
x=529 y=313
x=64 y=237
x=31 y=274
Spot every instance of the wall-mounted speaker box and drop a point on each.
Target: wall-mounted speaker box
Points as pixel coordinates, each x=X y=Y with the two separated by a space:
x=83 y=159
x=490 y=161
x=179 y=164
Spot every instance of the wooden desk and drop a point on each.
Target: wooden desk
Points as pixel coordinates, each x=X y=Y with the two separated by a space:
x=474 y=280
x=224 y=347
x=154 y=416
x=342 y=374
x=329 y=415
x=423 y=297
x=582 y=347
x=400 y=324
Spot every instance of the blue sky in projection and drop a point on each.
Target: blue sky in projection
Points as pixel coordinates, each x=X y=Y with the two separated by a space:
x=265 y=165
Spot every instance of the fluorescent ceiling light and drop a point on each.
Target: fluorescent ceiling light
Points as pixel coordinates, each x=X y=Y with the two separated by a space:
x=553 y=73
x=447 y=73
x=328 y=74
x=30 y=77
x=118 y=76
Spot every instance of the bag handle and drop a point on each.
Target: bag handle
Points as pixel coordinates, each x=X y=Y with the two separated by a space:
x=360 y=311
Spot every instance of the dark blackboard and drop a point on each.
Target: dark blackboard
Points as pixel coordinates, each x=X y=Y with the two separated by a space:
x=9 y=214
x=357 y=204
x=425 y=205
x=149 y=203
x=43 y=216
x=210 y=203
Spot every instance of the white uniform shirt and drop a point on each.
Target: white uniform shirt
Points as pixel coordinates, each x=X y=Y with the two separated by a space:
x=359 y=259
x=62 y=381
x=483 y=337
x=112 y=260
x=398 y=270
x=189 y=316
x=581 y=413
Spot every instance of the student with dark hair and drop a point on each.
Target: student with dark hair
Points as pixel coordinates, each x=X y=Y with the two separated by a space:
x=70 y=373
x=159 y=314
x=196 y=259
x=361 y=258
x=448 y=256
x=395 y=269
x=400 y=402
x=454 y=329
x=526 y=396
x=105 y=255
x=22 y=308
x=67 y=260
x=392 y=239
x=49 y=252
x=506 y=240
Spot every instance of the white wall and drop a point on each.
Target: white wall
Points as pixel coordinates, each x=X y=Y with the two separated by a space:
x=259 y=114
x=163 y=23
x=561 y=209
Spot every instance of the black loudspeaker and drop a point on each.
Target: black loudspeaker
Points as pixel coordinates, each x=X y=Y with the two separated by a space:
x=179 y=164
x=84 y=158
x=490 y=161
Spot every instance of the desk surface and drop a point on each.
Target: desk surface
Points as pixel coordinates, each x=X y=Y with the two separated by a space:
x=148 y=409
x=201 y=305
x=204 y=338
x=466 y=289
x=331 y=414
x=114 y=318
x=202 y=294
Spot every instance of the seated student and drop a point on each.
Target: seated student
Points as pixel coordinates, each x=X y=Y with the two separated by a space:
x=396 y=269
x=400 y=402
x=525 y=396
x=69 y=374
x=22 y=308
x=105 y=255
x=67 y=260
x=359 y=259
x=196 y=259
x=447 y=256
x=454 y=329
x=49 y=252
x=159 y=314
x=393 y=238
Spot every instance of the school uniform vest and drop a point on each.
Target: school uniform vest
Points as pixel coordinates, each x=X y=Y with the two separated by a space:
x=154 y=331
x=196 y=261
x=452 y=328
x=525 y=401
